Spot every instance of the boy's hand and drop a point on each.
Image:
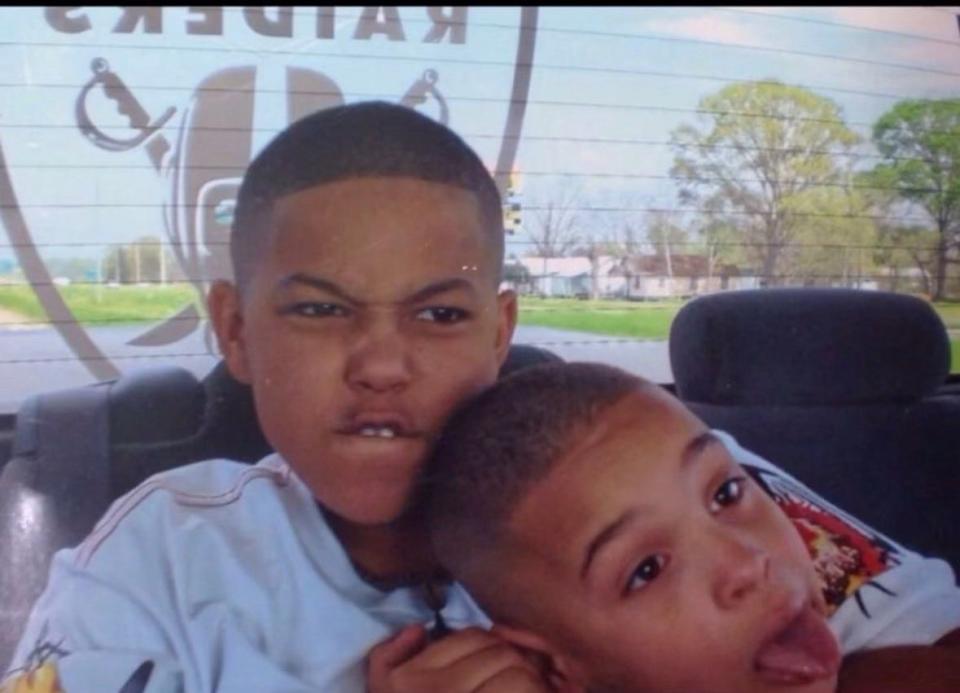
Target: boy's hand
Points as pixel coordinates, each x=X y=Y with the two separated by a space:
x=467 y=661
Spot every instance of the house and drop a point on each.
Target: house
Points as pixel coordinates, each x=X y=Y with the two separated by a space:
x=569 y=276
x=558 y=276
x=652 y=277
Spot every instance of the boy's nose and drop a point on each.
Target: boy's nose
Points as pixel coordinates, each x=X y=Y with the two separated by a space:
x=741 y=570
x=379 y=361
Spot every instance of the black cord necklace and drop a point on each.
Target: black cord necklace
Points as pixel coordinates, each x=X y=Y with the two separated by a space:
x=433 y=591
x=435 y=595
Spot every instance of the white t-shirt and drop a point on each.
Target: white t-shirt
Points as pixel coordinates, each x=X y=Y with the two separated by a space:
x=216 y=576
x=222 y=576
x=879 y=594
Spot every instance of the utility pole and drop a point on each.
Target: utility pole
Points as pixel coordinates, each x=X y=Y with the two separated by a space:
x=163 y=263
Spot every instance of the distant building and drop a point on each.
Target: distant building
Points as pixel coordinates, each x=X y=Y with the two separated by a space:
x=651 y=276
x=637 y=277
x=572 y=276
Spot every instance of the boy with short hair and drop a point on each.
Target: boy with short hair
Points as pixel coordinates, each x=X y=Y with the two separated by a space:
x=367 y=248
x=603 y=526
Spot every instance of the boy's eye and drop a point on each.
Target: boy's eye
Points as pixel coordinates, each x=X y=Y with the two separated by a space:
x=729 y=493
x=442 y=314
x=314 y=309
x=646 y=572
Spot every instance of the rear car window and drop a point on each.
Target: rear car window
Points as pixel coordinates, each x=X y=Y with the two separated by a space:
x=646 y=156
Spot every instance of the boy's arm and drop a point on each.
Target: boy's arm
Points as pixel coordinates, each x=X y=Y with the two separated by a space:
x=931 y=669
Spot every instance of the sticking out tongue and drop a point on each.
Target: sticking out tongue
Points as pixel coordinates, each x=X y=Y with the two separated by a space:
x=802 y=652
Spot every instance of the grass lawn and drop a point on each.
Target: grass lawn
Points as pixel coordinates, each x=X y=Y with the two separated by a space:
x=950 y=314
x=615 y=318
x=638 y=320
x=103 y=304
x=650 y=320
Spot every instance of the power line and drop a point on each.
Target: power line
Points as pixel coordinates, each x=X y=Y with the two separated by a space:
x=139 y=88
x=551 y=103
x=525 y=208
x=496 y=136
x=475 y=62
x=546 y=174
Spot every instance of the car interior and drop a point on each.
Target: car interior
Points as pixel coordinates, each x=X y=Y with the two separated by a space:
x=873 y=430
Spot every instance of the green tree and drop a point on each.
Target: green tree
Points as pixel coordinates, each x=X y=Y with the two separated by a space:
x=905 y=250
x=834 y=236
x=667 y=237
x=920 y=143
x=517 y=274
x=759 y=148
x=908 y=256
x=721 y=242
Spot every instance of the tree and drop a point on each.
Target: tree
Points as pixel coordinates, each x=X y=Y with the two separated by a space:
x=666 y=236
x=144 y=260
x=834 y=237
x=760 y=148
x=920 y=143
x=904 y=249
x=622 y=229
x=909 y=255
x=721 y=242
x=517 y=274
x=554 y=230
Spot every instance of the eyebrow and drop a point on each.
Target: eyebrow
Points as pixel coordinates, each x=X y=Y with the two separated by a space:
x=422 y=294
x=605 y=536
x=315 y=283
x=695 y=447
x=691 y=452
x=440 y=287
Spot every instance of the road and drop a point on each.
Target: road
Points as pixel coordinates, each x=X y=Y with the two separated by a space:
x=36 y=359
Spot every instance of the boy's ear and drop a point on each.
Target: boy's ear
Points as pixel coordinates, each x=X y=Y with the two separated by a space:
x=506 y=322
x=223 y=306
x=563 y=674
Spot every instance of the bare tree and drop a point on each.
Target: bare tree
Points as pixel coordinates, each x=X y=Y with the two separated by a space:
x=555 y=230
x=621 y=228
x=666 y=236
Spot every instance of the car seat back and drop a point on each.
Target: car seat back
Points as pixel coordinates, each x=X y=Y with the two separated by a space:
x=842 y=388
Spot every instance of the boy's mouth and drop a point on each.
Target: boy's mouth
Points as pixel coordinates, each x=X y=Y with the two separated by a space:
x=378 y=432
x=382 y=427
x=800 y=650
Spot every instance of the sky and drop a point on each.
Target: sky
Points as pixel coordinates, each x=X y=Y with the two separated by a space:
x=627 y=74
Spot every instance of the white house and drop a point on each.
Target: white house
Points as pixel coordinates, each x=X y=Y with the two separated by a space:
x=573 y=276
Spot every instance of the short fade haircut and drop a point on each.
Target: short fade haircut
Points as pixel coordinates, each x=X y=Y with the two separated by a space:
x=360 y=140
x=498 y=446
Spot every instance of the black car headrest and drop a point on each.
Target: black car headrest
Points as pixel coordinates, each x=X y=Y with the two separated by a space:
x=807 y=347
x=165 y=407
x=157 y=404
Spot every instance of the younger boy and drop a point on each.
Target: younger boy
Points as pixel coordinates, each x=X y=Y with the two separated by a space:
x=602 y=525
